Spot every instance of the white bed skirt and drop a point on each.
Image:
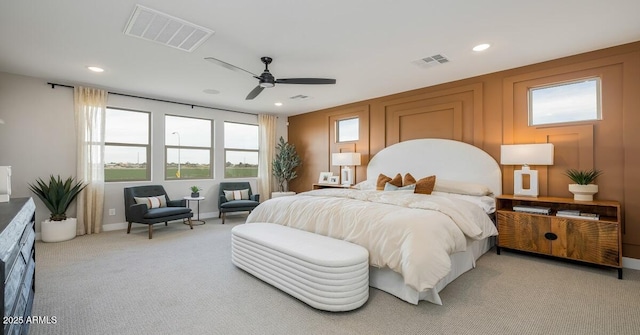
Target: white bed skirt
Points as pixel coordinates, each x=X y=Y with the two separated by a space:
x=392 y=282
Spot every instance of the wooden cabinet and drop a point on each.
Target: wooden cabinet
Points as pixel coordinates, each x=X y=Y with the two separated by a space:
x=17 y=263
x=592 y=241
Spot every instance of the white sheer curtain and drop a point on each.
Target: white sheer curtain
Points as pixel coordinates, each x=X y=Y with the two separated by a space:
x=90 y=105
x=266 y=153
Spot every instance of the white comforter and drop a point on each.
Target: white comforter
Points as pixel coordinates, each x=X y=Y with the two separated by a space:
x=412 y=234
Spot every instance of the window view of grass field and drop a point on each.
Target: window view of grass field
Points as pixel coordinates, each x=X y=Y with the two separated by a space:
x=127 y=148
x=188 y=148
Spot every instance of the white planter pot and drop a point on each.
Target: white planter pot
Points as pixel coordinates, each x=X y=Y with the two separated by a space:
x=58 y=231
x=583 y=192
x=281 y=194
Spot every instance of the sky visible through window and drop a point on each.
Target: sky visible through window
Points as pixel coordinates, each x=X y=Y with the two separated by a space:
x=188 y=132
x=575 y=101
x=128 y=127
x=241 y=136
x=348 y=130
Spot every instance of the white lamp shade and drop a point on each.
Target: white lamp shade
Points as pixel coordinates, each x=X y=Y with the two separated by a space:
x=345 y=159
x=526 y=154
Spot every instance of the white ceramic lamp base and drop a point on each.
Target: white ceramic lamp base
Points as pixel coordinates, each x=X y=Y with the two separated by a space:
x=346 y=176
x=518 y=188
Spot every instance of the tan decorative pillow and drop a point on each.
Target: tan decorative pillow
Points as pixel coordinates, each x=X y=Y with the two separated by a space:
x=408 y=180
x=383 y=180
x=152 y=202
x=425 y=185
x=237 y=194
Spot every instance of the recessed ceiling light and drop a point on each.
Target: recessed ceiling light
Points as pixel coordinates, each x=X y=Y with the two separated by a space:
x=481 y=47
x=211 y=91
x=95 y=69
x=278 y=104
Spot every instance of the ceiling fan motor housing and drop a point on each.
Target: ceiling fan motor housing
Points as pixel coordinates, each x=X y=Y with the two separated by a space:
x=266 y=79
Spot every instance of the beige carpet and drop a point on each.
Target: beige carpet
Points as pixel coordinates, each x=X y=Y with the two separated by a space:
x=183 y=282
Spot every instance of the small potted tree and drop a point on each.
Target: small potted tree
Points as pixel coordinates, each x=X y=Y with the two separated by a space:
x=583 y=189
x=57 y=195
x=284 y=167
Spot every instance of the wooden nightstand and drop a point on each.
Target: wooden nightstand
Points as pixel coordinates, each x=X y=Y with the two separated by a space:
x=319 y=186
x=586 y=240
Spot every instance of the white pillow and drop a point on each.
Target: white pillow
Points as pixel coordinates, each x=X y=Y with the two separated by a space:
x=460 y=187
x=152 y=202
x=365 y=185
x=236 y=194
x=390 y=187
x=487 y=203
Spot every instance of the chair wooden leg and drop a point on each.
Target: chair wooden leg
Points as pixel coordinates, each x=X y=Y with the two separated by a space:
x=223 y=216
x=129 y=228
x=150 y=231
x=190 y=225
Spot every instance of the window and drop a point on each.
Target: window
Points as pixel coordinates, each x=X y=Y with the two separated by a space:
x=127 y=150
x=348 y=130
x=566 y=102
x=188 y=149
x=240 y=150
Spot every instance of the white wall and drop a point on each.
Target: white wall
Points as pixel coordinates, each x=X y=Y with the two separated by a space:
x=38 y=139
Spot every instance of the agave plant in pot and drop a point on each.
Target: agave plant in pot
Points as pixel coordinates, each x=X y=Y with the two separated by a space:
x=57 y=195
x=583 y=189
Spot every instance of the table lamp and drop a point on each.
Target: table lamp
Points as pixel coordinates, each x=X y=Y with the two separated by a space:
x=525 y=155
x=345 y=160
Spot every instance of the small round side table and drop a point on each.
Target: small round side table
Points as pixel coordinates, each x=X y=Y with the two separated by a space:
x=189 y=199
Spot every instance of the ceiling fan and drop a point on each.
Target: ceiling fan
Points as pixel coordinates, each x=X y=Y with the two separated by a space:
x=266 y=79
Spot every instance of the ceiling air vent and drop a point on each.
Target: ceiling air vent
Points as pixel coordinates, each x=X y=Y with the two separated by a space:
x=300 y=97
x=165 y=29
x=433 y=60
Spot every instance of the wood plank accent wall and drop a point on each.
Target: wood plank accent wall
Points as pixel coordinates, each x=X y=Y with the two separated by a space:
x=491 y=110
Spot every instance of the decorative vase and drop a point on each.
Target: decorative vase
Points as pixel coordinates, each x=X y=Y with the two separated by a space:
x=58 y=231
x=195 y=194
x=583 y=192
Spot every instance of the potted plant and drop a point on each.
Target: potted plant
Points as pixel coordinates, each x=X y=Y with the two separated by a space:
x=195 y=191
x=284 y=167
x=583 y=189
x=57 y=195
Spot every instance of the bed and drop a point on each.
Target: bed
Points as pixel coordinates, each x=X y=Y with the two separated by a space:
x=417 y=243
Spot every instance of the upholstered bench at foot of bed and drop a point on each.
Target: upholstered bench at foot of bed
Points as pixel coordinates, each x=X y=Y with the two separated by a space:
x=326 y=273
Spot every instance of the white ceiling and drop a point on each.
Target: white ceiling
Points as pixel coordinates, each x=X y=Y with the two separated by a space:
x=368 y=46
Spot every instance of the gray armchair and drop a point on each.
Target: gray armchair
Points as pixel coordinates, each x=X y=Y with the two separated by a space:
x=241 y=205
x=141 y=213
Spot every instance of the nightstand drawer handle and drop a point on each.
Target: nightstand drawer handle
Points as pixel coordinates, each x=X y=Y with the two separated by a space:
x=550 y=236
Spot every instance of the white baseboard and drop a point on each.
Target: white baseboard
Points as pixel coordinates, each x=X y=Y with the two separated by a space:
x=630 y=263
x=123 y=225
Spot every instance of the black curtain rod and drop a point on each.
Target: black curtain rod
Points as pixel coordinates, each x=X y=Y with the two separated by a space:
x=53 y=85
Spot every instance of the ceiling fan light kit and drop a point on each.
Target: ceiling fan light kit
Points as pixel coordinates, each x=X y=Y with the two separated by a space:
x=267 y=80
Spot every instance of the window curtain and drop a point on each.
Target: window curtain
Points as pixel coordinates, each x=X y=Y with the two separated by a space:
x=266 y=154
x=90 y=106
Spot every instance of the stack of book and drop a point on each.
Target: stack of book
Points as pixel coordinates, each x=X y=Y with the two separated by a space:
x=576 y=214
x=532 y=209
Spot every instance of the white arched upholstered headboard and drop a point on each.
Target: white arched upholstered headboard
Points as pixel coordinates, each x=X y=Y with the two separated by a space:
x=446 y=159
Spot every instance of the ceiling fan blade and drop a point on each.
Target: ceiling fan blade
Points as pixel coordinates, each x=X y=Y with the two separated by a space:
x=229 y=66
x=306 y=81
x=254 y=93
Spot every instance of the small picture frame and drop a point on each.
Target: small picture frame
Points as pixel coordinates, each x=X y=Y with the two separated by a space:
x=324 y=177
x=333 y=180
